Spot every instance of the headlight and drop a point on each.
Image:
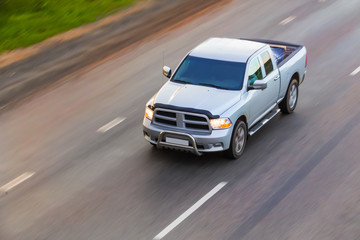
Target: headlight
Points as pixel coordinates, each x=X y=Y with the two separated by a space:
x=149 y=113
x=220 y=123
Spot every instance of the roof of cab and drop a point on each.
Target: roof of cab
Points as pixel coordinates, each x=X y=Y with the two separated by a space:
x=226 y=49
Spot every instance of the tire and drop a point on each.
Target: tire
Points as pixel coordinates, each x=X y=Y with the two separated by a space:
x=288 y=104
x=238 y=140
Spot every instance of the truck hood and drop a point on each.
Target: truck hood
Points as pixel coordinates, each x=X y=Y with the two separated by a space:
x=214 y=100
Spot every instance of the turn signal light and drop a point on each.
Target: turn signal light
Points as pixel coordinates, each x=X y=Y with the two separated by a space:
x=149 y=113
x=220 y=123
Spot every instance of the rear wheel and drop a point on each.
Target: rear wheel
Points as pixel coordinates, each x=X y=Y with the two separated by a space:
x=288 y=104
x=238 y=140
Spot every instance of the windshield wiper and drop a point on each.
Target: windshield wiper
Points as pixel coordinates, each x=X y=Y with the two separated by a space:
x=212 y=85
x=180 y=81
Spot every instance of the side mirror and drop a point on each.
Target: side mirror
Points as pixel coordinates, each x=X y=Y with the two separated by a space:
x=167 y=71
x=252 y=79
x=258 y=85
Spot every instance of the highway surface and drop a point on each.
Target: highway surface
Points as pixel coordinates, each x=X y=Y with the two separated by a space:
x=69 y=174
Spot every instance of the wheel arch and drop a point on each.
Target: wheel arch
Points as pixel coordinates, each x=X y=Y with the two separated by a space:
x=295 y=76
x=244 y=119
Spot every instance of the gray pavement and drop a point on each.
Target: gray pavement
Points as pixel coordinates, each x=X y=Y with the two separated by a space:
x=298 y=178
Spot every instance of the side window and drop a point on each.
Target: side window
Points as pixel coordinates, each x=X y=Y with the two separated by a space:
x=266 y=59
x=254 y=71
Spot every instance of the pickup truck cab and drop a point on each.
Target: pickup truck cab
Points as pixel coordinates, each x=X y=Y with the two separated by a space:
x=223 y=91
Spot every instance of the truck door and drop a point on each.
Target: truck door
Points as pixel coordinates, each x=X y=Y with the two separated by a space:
x=261 y=68
x=272 y=78
x=256 y=98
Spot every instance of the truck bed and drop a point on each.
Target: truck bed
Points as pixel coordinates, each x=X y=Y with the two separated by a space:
x=282 y=52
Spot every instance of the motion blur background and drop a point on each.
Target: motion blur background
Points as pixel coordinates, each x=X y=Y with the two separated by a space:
x=74 y=164
x=25 y=22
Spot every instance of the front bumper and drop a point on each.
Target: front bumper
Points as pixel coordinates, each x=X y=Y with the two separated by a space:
x=217 y=140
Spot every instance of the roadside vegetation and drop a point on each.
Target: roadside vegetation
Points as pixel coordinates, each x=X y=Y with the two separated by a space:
x=25 y=22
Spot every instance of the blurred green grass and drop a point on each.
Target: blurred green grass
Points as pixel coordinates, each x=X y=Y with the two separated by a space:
x=25 y=22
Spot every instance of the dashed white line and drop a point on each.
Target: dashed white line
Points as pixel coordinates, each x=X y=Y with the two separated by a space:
x=287 y=20
x=356 y=71
x=188 y=212
x=23 y=177
x=111 y=124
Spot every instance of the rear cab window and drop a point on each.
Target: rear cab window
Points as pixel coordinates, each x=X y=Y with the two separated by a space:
x=266 y=61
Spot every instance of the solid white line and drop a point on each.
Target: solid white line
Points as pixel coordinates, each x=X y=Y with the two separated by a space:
x=356 y=71
x=287 y=20
x=111 y=124
x=23 y=177
x=192 y=209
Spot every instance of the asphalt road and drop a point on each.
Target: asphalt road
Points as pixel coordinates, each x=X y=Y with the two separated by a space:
x=298 y=178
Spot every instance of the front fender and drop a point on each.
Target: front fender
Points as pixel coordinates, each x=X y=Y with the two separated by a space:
x=236 y=111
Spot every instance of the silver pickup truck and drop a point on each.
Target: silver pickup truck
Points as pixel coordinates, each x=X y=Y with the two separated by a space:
x=223 y=91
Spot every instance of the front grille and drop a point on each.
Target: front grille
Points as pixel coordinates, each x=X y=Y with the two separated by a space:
x=166 y=114
x=195 y=118
x=182 y=120
x=196 y=126
x=164 y=121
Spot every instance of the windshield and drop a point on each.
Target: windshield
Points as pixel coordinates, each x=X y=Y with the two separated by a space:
x=209 y=72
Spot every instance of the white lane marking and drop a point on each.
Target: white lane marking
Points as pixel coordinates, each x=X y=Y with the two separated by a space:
x=321 y=0
x=287 y=20
x=356 y=71
x=23 y=177
x=192 y=209
x=111 y=124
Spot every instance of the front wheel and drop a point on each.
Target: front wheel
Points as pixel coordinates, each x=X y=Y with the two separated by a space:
x=288 y=104
x=238 y=140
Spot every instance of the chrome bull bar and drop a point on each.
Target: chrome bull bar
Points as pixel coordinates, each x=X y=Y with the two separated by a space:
x=161 y=143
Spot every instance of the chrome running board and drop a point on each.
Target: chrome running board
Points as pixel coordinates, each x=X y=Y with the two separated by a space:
x=263 y=121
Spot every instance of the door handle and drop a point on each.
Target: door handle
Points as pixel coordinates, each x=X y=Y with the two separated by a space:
x=277 y=78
